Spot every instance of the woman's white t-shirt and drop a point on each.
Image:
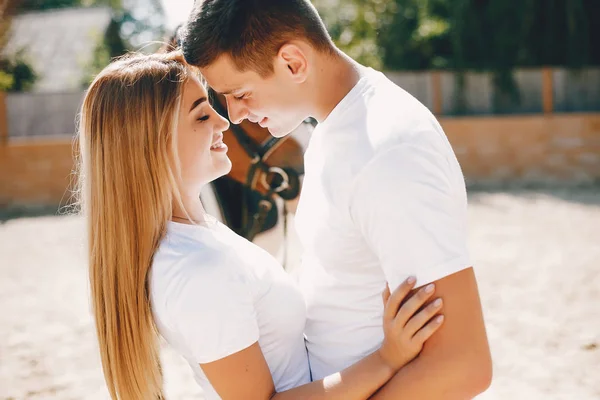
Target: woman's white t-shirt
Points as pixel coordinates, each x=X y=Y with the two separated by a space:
x=213 y=293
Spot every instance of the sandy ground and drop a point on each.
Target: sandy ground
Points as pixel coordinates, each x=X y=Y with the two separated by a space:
x=537 y=257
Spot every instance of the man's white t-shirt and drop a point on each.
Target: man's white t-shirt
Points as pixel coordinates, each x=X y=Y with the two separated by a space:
x=383 y=198
x=213 y=293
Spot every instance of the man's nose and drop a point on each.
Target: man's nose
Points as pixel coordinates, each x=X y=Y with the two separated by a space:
x=237 y=111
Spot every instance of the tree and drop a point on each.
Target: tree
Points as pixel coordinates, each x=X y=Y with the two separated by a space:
x=134 y=25
x=415 y=34
x=353 y=26
x=135 y=22
x=16 y=74
x=141 y=21
x=491 y=35
x=495 y=35
x=7 y=9
x=34 y=5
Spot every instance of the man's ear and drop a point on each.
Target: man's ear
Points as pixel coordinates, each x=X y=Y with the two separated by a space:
x=292 y=57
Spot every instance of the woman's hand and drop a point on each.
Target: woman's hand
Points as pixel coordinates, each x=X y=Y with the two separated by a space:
x=407 y=327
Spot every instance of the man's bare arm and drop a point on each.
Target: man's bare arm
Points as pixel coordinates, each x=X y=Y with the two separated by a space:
x=455 y=363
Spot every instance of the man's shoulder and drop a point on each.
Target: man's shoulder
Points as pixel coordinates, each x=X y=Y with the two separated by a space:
x=386 y=118
x=388 y=115
x=392 y=98
x=400 y=139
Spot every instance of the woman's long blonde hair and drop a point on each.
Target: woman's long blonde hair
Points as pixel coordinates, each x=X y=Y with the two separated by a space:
x=127 y=185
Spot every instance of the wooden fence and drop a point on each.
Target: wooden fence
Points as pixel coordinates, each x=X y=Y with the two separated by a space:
x=552 y=136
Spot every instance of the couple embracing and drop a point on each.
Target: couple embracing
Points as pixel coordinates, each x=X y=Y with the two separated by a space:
x=386 y=306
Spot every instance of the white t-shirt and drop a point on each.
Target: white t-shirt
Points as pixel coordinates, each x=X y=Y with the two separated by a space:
x=383 y=198
x=213 y=293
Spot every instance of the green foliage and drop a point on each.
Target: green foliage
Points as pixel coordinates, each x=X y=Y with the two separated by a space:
x=6 y=81
x=16 y=74
x=141 y=22
x=134 y=23
x=492 y=35
x=353 y=25
x=100 y=59
x=34 y=5
x=495 y=35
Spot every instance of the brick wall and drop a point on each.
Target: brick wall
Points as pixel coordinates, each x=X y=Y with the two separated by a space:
x=35 y=172
x=556 y=149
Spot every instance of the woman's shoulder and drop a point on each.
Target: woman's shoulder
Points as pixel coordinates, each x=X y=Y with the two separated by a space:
x=200 y=292
x=194 y=264
x=186 y=263
x=190 y=245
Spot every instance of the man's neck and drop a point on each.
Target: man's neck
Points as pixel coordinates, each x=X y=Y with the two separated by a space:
x=335 y=76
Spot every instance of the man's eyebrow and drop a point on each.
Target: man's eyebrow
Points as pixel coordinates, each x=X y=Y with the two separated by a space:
x=197 y=103
x=228 y=91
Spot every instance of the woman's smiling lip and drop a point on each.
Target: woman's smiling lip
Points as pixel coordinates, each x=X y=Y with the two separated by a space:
x=218 y=138
x=218 y=144
x=220 y=148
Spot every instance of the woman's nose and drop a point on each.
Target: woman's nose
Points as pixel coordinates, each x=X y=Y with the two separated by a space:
x=223 y=123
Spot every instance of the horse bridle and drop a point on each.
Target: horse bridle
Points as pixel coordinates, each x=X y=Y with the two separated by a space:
x=277 y=181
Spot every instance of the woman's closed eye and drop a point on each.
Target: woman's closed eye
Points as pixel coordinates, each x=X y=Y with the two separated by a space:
x=204 y=118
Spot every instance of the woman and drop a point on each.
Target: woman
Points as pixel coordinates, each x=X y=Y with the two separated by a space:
x=149 y=142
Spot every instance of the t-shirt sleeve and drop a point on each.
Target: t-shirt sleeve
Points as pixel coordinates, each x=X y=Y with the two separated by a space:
x=407 y=203
x=213 y=311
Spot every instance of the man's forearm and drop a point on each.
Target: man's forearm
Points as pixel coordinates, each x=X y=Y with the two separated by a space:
x=456 y=377
x=456 y=362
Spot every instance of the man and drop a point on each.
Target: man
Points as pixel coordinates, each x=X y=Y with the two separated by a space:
x=383 y=196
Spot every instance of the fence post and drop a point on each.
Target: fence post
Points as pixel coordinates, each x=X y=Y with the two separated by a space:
x=436 y=86
x=3 y=120
x=547 y=90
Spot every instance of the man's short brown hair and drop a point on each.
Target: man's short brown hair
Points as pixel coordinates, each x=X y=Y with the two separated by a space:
x=250 y=31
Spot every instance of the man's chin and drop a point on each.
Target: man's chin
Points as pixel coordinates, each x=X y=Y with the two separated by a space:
x=281 y=132
x=277 y=133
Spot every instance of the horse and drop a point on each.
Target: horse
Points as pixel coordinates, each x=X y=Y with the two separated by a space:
x=254 y=198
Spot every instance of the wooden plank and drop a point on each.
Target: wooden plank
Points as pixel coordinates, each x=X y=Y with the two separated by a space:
x=547 y=90
x=3 y=120
x=436 y=87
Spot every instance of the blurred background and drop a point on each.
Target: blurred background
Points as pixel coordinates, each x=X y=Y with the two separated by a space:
x=515 y=84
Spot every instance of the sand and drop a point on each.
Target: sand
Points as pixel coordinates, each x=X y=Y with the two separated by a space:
x=537 y=262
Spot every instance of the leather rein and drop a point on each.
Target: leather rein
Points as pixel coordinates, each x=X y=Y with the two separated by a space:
x=281 y=182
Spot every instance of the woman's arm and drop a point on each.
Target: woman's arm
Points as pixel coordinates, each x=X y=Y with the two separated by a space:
x=245 y=374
